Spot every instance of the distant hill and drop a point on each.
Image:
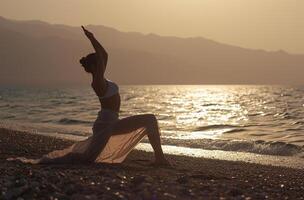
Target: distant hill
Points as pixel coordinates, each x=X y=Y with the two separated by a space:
x=38 y=53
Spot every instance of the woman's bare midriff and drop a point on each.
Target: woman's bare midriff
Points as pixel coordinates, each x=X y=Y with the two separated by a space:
x=111 y=103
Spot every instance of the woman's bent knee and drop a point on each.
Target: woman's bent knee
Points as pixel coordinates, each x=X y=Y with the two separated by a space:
x=149 y=120
x=150 y=123
x=150 y=117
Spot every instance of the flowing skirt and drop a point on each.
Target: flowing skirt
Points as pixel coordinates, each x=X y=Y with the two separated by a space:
x=102 y=146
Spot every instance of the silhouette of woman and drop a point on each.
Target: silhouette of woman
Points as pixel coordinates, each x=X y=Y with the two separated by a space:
x=112 y=138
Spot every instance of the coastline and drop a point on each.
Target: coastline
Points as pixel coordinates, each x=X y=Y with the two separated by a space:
x=190 y=178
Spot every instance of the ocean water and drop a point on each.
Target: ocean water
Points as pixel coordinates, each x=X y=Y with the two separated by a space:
x=259 y=119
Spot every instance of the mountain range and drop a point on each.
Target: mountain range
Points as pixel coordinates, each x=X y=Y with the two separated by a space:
x=37 y=53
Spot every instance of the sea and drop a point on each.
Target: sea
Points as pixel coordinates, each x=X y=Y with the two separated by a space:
x=259 y=119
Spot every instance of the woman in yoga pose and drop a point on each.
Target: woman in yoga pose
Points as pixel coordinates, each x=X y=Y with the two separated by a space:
x=112 y=138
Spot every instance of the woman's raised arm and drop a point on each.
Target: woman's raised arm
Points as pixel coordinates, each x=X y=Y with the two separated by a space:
x=101 y=53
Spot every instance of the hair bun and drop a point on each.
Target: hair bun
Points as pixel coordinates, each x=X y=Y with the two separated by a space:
x=82 y=60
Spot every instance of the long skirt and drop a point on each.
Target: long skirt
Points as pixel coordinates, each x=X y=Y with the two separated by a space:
x=102 y=146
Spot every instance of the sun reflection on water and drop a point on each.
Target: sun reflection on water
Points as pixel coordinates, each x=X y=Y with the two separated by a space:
x=202 y=107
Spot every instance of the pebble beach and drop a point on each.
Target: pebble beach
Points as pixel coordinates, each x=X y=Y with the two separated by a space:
x=189 y=178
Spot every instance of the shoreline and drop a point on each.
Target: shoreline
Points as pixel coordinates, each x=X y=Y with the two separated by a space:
x=190 y=178
x=291 y=161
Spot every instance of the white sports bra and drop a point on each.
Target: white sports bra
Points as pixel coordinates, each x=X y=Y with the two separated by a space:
x=112 y=89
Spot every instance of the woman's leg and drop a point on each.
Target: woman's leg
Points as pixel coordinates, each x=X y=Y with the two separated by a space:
x=149 y=122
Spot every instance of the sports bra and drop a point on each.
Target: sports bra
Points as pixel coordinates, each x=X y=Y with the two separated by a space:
x=112 y=89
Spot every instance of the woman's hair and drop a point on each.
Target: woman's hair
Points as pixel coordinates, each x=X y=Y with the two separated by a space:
x=89 y=62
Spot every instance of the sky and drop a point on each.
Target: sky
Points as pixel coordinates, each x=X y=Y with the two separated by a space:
x=256 y=24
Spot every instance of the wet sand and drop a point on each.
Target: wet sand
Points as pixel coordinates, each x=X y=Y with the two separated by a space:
x=190 y=178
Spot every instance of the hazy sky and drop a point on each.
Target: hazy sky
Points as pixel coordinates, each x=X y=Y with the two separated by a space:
x=262 y=24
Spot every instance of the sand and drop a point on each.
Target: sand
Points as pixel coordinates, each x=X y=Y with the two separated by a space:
x=190 y=178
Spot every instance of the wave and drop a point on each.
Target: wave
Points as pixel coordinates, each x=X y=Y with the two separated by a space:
x=217 y=126
x=235 y=130
x=9 y=117
x=298 y=123
x=258 y=147
x=73 y=121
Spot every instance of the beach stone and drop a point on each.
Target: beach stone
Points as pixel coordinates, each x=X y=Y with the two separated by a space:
x=187 y=192
x=119 y=195
x=121 y=176
x=62 y=174
x=172 y=196
x=20 y=182
x=107 y=188
x=55 y=187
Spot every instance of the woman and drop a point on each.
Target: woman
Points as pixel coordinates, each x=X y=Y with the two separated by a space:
x=112 y=138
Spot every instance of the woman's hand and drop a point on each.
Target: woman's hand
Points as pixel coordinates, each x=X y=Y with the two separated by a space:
x=87 y=33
